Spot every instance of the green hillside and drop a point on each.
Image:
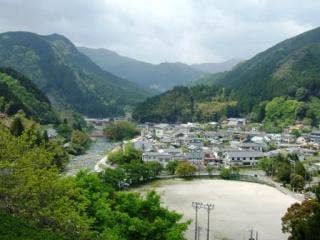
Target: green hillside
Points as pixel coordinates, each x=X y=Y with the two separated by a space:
x=66 y=76
x=281 y=70
x=183 y=104
x=290 y=70
x=18 y=92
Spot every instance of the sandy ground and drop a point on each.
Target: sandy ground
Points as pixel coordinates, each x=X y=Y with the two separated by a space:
x=239 y=207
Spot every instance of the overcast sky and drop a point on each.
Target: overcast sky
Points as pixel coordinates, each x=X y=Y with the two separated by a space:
x=190 y=31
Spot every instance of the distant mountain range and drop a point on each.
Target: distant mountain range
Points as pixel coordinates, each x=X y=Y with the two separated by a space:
x=290 y=69
x=217 y=67
x=68 y=77
x=157 y=77
x=18 y=92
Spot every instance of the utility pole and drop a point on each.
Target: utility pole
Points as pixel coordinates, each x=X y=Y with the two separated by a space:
x=251 y=235
x=199 y=230
x=208 y=207
x=196 y=206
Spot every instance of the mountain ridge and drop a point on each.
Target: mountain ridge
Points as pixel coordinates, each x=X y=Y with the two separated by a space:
x=159 y=77
x=68 y=77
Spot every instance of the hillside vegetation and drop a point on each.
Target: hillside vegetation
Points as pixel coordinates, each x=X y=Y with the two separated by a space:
x=18 y=92
x=183 y=104
x=283 y=70
x=66 y=76
x=289 y=70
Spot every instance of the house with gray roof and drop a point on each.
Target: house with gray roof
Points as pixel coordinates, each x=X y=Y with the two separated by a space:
x=241 y=157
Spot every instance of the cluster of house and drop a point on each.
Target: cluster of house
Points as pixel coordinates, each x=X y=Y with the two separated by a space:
x=218 y=145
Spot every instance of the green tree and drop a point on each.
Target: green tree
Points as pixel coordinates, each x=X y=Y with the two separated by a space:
x=185 y=169
x=297 y=182
x=172 y=166
x=302 y=220
x=280 y=113
x=17 y=127
x=268 y=165
x=124 y=155
x=121 y=130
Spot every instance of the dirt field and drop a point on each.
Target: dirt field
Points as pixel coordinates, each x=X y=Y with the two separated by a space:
x=239 y=206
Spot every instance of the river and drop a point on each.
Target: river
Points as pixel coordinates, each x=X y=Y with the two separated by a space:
x=98 y=149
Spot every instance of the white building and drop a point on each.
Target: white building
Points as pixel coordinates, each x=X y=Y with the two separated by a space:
x=242 y=158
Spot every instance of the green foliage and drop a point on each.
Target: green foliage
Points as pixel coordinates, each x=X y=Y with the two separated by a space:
x=297 y=182
x=313 y=111
x=83 y=207
x=17 y=127
x=80 y=142
x=290 y=68
x=229 y=173
x=124 y=155
x=69 y=77
x=302 y=220
x=19 y=93
x=15 y=228
x=121 y=130
x=171 y=167
x=280 y=113
x=185 y=169
x=286 y=169
x=183 y=104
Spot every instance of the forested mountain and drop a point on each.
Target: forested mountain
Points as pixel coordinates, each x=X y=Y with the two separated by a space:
x=217 y=67
x=68 y=77
x=183 y=104
x=281 y=83
x=289 y=66
x=18 y=92
x=159 y=77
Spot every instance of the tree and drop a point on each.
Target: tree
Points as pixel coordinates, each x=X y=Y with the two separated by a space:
x=185 y=169
x=17 y=127
x=121 y=130
x=81 y=138
x=302 y=220
x=267 y=165
x=125 y=155
x=209 y=169
x=230 y=173
x=297 y=181
x=172 y=166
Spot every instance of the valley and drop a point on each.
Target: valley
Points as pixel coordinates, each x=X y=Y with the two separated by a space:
x=168 y=120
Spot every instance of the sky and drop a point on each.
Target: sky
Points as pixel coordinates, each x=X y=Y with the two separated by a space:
x=190 y=31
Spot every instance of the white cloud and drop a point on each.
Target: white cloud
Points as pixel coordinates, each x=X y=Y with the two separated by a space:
x=165 y=30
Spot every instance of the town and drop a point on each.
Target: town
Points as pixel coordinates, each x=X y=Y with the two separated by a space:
x=234 y=142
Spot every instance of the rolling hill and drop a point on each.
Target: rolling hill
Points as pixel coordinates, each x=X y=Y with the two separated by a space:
x=17 y=92
x=158 y=77
x=67 y=77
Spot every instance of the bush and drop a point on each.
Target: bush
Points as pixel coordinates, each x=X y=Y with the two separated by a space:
x=185 y=169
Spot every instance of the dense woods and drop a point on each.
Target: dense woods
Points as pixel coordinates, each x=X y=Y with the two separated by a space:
x=35 y=195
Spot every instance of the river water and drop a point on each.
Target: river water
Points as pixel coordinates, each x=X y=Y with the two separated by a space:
x=98 y=149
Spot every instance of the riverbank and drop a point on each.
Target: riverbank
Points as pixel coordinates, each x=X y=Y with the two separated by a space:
x=97 y=151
